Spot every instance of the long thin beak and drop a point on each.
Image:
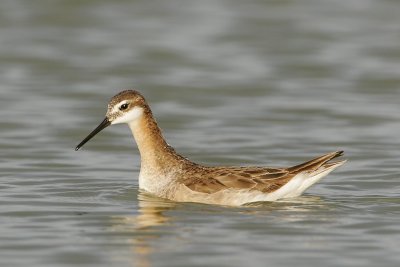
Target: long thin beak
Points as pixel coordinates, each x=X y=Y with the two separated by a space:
x=102 y=125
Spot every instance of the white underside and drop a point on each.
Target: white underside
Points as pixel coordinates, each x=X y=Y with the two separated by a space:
x=234 y=197
x=294 y=188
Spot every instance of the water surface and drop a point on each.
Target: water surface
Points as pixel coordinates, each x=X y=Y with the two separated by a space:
x=230 y=82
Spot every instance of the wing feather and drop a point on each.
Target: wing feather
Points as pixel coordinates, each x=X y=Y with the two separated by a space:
x=214 y=179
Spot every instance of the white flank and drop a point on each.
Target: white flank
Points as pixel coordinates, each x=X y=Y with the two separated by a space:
x=298 y=184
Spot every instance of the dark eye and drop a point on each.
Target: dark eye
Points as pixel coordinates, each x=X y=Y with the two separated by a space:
x=123 y=106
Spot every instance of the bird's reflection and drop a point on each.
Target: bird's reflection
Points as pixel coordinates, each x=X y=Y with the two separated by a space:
x=151 y=211
x=152 y=223
x=144 y=228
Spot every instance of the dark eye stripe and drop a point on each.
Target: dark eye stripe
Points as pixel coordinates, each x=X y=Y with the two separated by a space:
x=123 y=106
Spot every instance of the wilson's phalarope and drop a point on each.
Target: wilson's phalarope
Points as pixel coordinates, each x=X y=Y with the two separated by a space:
x=167 y=174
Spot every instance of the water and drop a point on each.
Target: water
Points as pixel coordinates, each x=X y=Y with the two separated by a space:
x=230 y=82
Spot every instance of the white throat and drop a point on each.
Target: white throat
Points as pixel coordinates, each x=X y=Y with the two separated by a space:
x=130 y=116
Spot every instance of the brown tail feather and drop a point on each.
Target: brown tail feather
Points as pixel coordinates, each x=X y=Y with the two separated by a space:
x=315 y=163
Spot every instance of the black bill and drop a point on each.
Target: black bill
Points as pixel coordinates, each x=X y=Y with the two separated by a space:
x=102 y=125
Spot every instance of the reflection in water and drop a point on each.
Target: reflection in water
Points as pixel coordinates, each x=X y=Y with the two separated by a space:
x=294 y=209
x=151 y=211
x=146 y=230
x=143 y=228
x=301 y=203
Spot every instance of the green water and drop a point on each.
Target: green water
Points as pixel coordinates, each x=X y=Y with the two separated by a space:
x=231 y=82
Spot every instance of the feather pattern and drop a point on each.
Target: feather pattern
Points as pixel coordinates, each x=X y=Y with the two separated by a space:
x=265 y=180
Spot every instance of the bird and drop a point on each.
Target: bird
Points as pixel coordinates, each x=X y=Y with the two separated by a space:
x=166 y=174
